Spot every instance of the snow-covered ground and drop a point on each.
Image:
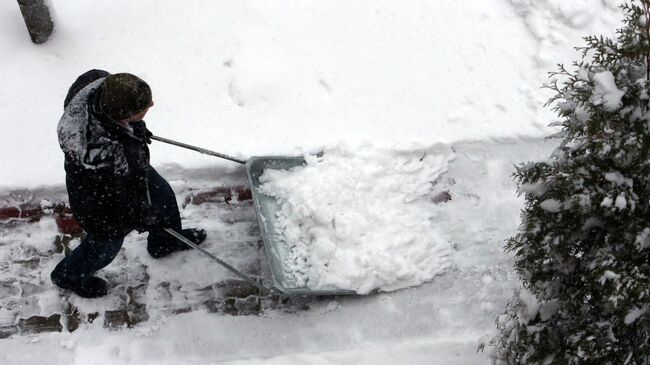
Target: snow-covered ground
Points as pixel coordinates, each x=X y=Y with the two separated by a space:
x=443 y=321
x=273 y=77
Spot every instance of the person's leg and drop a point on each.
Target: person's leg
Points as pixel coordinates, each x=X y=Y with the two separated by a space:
x=159 y=242
x=76 y=270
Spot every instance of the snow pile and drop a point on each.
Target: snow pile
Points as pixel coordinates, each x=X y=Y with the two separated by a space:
x=361 y=220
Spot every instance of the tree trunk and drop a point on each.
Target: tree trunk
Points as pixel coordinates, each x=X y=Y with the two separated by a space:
x=38 y=18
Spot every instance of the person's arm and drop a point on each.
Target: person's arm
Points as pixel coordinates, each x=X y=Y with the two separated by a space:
x=137 y=154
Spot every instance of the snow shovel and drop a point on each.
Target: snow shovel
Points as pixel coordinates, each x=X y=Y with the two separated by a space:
x=266 y=209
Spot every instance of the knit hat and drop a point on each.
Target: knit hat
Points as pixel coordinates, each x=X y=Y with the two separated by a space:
x=124 y=95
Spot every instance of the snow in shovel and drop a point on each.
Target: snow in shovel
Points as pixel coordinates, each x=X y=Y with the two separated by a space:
x=361 y=221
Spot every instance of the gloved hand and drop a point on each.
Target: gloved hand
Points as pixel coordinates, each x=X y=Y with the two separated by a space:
x=140 y=130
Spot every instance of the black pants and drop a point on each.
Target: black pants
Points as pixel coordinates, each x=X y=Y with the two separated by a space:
x=95 y=253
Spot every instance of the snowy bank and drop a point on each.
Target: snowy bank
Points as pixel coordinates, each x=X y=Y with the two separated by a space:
x=262 y=78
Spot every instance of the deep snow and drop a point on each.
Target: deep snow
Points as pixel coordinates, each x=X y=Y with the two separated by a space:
x=266 y=77
x=263 y=77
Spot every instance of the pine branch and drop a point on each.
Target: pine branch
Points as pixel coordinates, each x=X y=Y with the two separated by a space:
x=646 y=11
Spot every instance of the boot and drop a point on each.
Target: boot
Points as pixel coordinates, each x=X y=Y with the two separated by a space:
x=196 y=235
x=90 y=287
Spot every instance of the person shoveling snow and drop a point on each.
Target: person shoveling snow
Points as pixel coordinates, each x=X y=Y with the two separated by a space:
x=112 y=188
x=352 y=222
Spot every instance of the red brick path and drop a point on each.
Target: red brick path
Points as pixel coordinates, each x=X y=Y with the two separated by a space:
x=68 y=225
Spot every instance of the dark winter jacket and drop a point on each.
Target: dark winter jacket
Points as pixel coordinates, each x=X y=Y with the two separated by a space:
x=106 y=164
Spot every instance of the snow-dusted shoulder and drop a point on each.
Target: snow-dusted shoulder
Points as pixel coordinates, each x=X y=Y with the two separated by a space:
x=83 y=138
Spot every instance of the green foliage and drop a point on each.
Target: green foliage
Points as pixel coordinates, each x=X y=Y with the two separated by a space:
x=583 y=245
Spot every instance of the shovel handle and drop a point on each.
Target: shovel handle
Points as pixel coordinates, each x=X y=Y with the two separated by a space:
x=198 y=149
x=247 y=278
